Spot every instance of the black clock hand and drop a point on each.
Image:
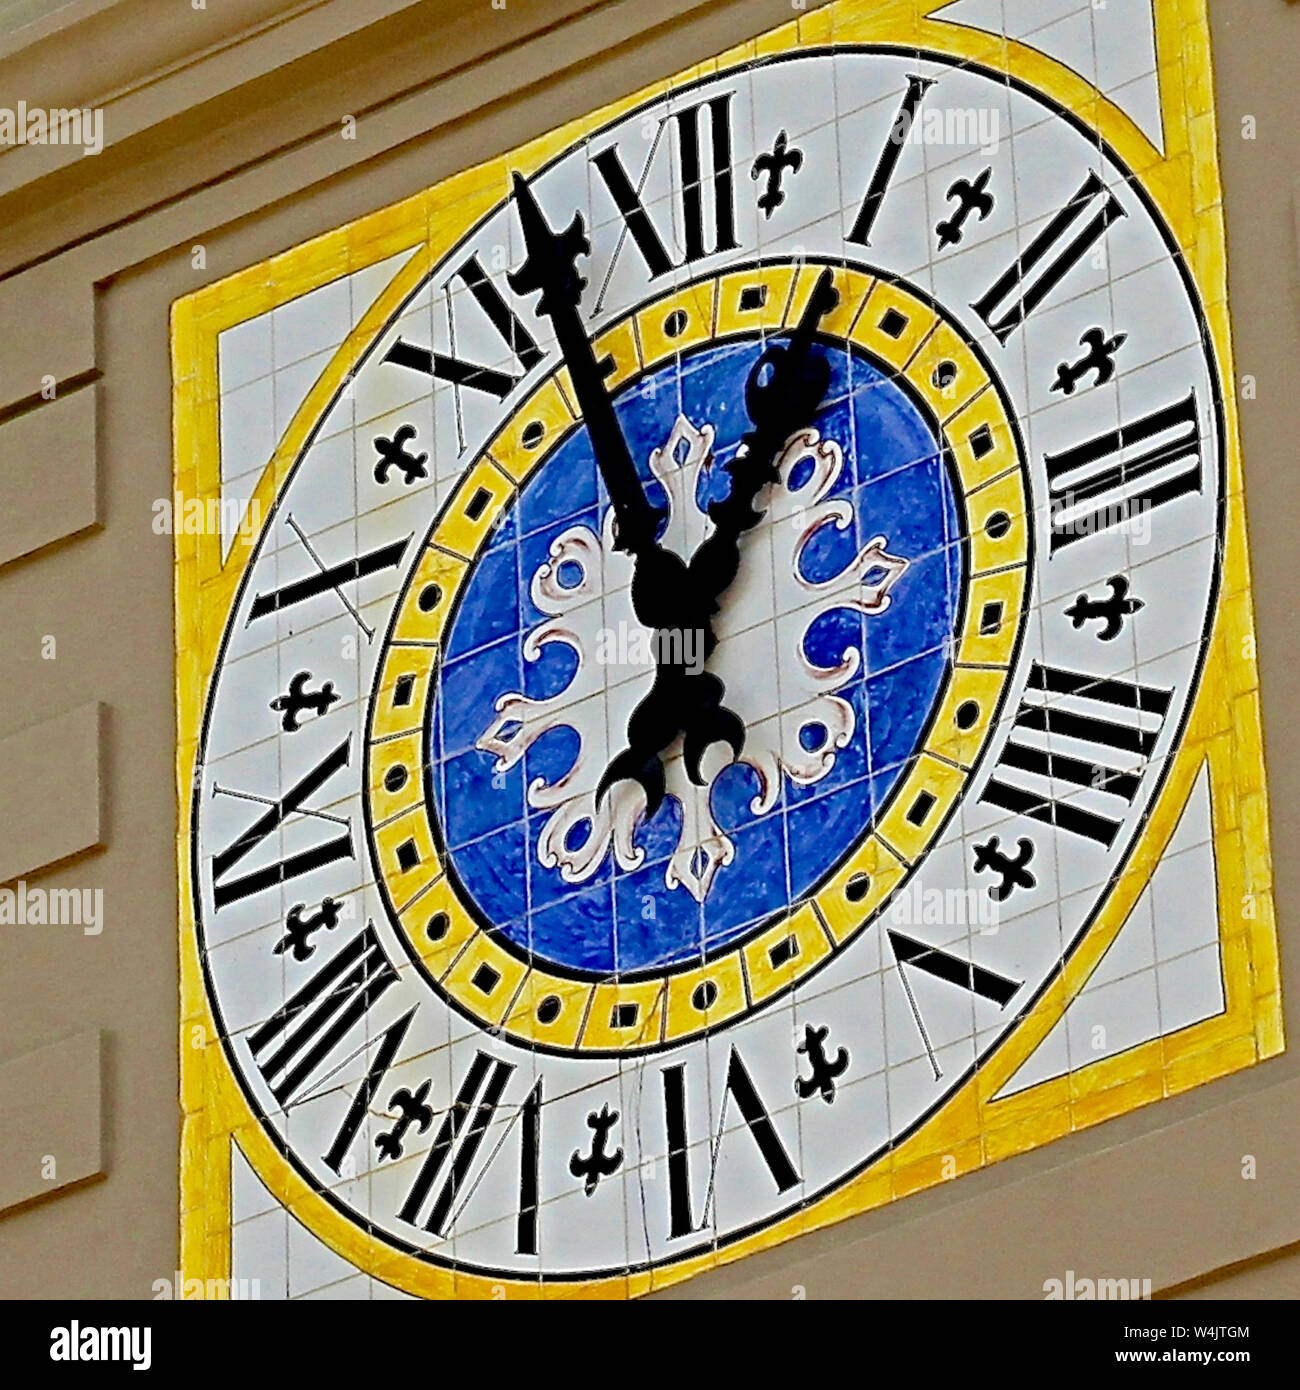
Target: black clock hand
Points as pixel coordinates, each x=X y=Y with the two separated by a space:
x=783 y=393
x=659 y=580
x=550 y=265
x=785 y=389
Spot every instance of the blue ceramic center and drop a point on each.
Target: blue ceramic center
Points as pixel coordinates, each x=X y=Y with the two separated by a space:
x=895 y=477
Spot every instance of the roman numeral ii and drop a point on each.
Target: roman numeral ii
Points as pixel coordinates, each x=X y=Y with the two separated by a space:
x=1049 y=258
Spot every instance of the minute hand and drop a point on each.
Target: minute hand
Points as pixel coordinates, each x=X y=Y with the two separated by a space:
x=550 y=266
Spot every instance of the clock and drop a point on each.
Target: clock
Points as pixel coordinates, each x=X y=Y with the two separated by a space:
x=722 y=640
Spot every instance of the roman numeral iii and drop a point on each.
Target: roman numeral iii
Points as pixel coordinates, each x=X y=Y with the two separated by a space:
x=1102 y=482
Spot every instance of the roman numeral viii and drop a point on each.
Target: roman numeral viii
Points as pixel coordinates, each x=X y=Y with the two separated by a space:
x=226 y=890
x=293 y=1043
x=1109 y=720
x=716 y=115
x=1049 y=258
x=1105 y=481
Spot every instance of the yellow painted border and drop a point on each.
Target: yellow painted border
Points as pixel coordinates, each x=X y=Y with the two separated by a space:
x=1224 y=730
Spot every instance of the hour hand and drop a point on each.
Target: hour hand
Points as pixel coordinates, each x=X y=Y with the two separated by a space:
x=550 y=266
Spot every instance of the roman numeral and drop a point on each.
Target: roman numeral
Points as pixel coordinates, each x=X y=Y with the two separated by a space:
x=889 y=156
x=739 y=1087
x=530 y=1158
x=952 y=970
x=390 y=1042
x=627 y=198
x=1037 y=271
x=458 y=1139
x=1106 y=717
x=446 y=366
x=226 y=890
x=997 y=989
x=328 y=579
x=1115 y=472
x=318 y=1017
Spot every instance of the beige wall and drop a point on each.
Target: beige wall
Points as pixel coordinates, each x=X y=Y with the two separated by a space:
x=225 y=134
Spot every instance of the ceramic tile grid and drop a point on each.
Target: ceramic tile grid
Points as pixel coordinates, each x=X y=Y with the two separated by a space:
x=532 y=949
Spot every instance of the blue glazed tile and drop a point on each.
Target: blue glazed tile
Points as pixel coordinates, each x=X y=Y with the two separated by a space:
x=836 y=818
x=478 y=800
x=489 y=606
x=579 y=931
x=468 y=688
x=563 y=489
x=490 y=865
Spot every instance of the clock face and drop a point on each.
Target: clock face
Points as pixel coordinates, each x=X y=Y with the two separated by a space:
x=703 y=672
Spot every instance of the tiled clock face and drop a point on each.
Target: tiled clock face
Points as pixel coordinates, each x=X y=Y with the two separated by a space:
x=726 y=619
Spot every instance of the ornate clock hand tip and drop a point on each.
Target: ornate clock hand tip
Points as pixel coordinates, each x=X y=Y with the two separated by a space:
x=550 y=261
